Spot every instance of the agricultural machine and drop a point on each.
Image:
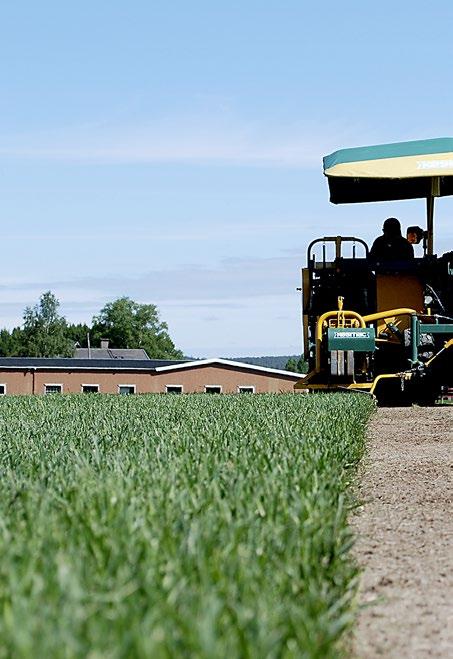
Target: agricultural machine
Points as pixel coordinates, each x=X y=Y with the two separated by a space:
x=372 y=324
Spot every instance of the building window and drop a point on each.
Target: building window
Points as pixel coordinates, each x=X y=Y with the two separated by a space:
x=2 y=389
x=53 y=388
x=90 y=388
x=246 y=390
x=213 y=389
x=173 y=388
x=126 y=389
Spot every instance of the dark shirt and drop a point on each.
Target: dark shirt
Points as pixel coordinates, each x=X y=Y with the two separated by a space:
x=391 y=248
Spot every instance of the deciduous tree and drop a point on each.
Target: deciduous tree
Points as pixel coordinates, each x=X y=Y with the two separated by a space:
x=296 y=365
x=11 y=342
x=128 y=324
x=44 y=331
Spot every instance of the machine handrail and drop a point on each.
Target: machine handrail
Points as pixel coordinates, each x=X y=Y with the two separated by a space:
x=338 y=240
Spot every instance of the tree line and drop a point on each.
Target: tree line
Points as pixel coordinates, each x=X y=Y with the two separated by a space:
x=297 y=365
x=125 y=323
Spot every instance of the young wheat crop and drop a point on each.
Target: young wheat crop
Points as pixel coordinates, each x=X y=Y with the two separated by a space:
x=169 y=526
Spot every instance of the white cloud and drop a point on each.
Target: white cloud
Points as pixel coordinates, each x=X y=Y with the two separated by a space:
x=233 y=278
x=215 y=230
x=214 y=137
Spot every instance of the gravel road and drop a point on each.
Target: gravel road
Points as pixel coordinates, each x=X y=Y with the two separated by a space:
x=405 y=536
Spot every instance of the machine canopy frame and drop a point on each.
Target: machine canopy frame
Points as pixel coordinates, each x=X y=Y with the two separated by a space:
x=387 y=172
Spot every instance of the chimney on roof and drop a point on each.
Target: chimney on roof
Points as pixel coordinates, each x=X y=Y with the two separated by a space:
x=104 y=344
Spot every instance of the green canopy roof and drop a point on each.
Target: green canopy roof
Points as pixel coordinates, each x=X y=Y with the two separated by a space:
x=404 y=170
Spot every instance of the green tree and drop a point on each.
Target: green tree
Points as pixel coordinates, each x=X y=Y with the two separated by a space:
x=44 y=331
x=11 y=342
x=78 y=334
x=128 y=324
x=296 y=365
x=291 y=365
x=302 y=365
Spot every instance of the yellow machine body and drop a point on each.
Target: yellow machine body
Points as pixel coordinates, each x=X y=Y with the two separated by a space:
x=411 y=354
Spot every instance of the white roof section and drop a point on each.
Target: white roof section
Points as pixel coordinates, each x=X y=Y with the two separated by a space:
x=227 y=362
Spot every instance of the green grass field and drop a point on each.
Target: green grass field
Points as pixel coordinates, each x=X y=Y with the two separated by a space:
x=177 y=526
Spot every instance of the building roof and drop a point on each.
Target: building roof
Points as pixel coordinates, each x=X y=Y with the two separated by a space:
x=154 y=365
x=230 y=363
x=72 y=364
x=110 y=353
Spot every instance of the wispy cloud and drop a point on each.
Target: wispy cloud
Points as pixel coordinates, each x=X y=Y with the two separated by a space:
x=215 y=230
x=186 y=291
x=232 y=278
x=205 y=138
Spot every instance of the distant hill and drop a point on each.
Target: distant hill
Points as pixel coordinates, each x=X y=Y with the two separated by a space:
x=271 y=361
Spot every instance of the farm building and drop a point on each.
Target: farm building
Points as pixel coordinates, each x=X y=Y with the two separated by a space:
x=25 y=375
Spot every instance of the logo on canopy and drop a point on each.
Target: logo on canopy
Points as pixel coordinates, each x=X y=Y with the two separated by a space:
x=434 y=164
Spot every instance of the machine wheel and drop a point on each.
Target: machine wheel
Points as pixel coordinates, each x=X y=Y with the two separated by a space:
x=390 y=394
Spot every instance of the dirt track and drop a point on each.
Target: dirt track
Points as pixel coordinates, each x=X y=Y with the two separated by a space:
x=405 y=533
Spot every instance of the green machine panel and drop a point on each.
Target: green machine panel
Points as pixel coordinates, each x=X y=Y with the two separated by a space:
x=436 y=328
x=361 y=339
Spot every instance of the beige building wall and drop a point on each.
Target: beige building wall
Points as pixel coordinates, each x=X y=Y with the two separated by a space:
x=17 y=382
x=192 y=380
x=229 y=378
x=108 y=382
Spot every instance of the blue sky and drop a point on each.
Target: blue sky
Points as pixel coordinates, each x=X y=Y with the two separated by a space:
x=172 y=152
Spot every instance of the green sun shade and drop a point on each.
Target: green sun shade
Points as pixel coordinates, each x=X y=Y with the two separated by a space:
x=404 y=170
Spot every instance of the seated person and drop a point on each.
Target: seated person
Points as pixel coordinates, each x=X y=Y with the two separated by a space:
x=391 y=246
x=414 y=235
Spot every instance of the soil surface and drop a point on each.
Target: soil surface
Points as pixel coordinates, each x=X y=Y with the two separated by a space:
x=405 y=535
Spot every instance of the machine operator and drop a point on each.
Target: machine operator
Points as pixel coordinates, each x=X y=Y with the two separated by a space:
x=391 y=246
